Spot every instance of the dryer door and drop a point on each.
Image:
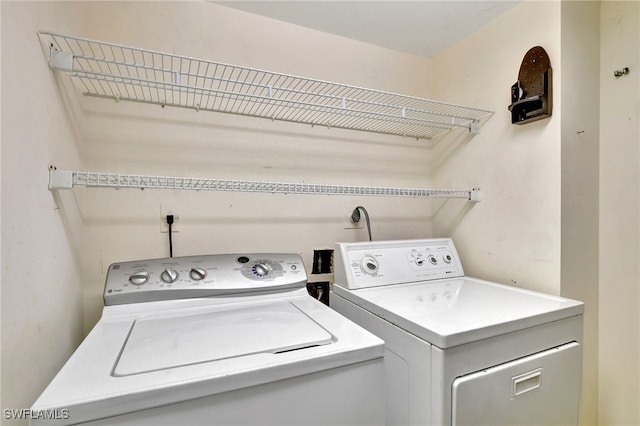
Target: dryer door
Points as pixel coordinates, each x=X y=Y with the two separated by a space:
x=539 y=390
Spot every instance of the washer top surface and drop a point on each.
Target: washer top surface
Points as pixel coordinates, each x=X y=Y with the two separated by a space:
x=258 y=328
x=419 y=285
x=167 y=341
x=149 y=354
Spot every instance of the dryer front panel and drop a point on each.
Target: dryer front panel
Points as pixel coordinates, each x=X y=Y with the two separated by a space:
x=542 y=390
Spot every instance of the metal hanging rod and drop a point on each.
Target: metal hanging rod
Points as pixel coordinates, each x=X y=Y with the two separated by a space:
x=65 y=179
x=127 y=73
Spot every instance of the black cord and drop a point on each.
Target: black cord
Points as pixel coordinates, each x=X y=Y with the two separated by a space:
x=170 y=222
x=355 y=217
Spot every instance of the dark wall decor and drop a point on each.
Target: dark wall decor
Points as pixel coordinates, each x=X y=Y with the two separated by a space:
x=531 y=95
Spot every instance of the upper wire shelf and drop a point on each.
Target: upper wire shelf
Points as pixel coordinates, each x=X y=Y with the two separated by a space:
x=127 y=73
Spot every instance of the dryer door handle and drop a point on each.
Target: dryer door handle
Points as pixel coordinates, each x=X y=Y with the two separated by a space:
x=526 y=382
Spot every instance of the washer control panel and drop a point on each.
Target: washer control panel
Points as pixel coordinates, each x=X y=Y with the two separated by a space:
x=370 y=264
x=202 y=276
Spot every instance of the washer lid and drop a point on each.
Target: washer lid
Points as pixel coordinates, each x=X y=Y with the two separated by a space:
x=161 y=342
x=456 y=311
x=88 y=388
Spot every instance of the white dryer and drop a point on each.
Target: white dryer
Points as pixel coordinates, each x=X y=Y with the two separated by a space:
x=217 y=340
x=459 y=350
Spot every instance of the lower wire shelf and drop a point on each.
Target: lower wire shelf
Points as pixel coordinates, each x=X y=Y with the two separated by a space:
x=65 y=179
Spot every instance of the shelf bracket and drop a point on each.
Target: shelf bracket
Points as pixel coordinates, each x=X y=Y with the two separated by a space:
x=474 y=195
x=60 y=179
x=61 y=61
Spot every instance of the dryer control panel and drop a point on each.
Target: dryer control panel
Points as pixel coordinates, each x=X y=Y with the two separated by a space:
x=202 y=276
x=371 y=264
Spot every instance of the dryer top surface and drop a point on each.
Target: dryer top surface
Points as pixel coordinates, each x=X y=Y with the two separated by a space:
x=455 y=311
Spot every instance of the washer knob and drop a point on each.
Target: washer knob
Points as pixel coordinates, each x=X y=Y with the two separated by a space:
x=139 y=278
x=260 y=270
x=197 y=274
x=169 y=275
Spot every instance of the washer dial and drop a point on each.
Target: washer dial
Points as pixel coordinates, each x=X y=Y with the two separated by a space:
x=139 y=278
x=197 y=274
x=260 y=270
x=169 y=275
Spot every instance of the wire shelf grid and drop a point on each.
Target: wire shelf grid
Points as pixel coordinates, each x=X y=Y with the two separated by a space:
x=134 y=74
x=114 y=180
x=66 y=179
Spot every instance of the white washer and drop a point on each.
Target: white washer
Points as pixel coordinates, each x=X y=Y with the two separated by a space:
x=217 y=340
x=459 y=350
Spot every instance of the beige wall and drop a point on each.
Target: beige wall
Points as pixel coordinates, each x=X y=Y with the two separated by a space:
x=536 y=179
x=513 y=235
x=580 y=138
x=619 y=297
x=43 y=306
x=41 y=232
x=131 y=138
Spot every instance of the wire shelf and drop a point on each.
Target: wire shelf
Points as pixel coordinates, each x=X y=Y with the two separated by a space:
x=133 y=74
x=64 y=179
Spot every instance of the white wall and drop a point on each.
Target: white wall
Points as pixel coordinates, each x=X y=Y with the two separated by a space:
x=619 y=297
x=513 y=234
x=41 y=233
